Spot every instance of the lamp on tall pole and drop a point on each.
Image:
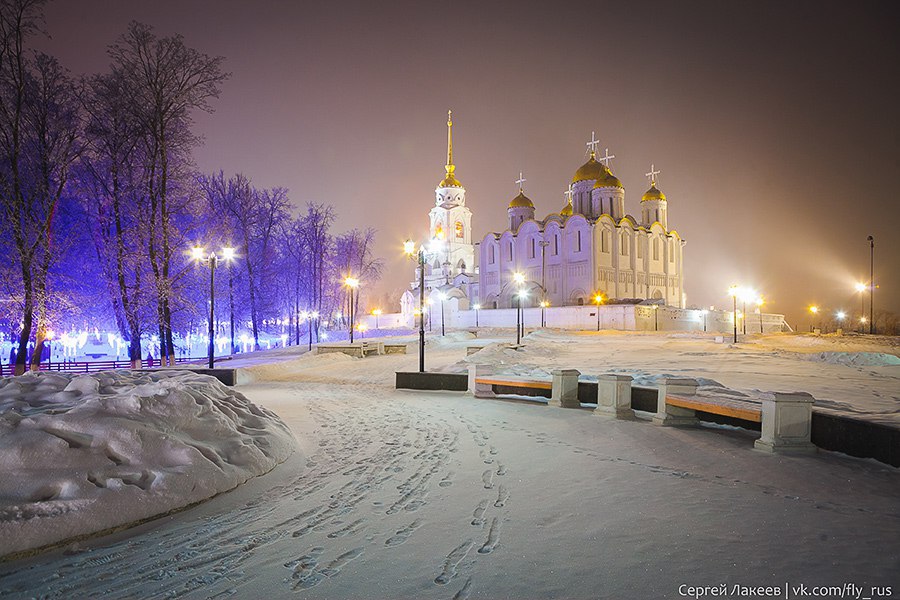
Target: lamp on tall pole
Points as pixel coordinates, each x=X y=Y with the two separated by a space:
x=476 y=307
x=377 y=313
x=409 y=247
x=352 y=283
x=733 y=292
x=598 y=299
x=871 y=284
x=442 y=296
x=228 y=255
x=759 y=304
x=656 y=317
x=544 y=305
x=211 y=260
x=704 y=312
x=518 y=279
x=813 y=310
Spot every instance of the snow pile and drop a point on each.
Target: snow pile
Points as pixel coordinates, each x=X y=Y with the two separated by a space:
x=85 y=453
x=857 y=359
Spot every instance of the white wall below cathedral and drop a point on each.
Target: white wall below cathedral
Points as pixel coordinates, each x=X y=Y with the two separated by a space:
x=628 y=317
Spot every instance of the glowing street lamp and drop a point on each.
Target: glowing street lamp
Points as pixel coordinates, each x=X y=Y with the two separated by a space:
x=655 y=308
x=442 y=296
x=376 y=312
x=476 y=308
x=746 y=294
x=704 y=312
x=544 y=305
x=813 y=310
x=871 y=241
x=409 y=248
x=759 y=304
x=522 y=295
x=352 y=283
x=199 y=254
x=518 y=279
x=598 y=300
x=733 y=291
x=228 y=256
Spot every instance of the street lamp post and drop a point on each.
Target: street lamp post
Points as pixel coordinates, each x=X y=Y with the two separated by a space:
x=410 y=248
x=813 y=310
x=544 y=305
x=352 y=283
x=656 y=317
x=313 y=315
x=871 y=285
x=442 y=296
x=840 y=316
x=704 y=312
x=228 y=255
x=476 y=307
x=198 y=254
x=759 y=304
x=519 y=279
x=598 y=299
x=376 y=312
x=733 y=292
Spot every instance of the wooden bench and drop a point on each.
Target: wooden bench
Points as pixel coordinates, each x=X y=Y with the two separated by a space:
x=563 y=387
x=786 y=419
x=358 y=350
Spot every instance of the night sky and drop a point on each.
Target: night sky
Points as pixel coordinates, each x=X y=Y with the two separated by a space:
x=775 y=125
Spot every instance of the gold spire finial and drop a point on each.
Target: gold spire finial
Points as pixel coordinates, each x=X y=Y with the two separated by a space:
x=450 y=180
x=450 y=167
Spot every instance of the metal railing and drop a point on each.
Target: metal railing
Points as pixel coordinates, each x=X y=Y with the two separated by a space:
x=96 y=365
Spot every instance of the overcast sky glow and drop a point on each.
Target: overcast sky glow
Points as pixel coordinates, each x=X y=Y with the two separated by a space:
x=774 y=124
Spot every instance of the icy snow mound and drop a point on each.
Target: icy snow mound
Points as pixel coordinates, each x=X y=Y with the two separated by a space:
x=857 y=359
x=85 y=453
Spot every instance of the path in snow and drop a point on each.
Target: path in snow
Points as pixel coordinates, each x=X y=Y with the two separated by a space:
x=439 y=495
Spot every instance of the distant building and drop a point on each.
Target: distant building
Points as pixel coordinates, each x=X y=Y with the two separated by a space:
x=591 y=246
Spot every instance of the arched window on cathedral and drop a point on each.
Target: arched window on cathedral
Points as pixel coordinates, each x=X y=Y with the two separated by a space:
x=671 y=250
x=655 y=248
x=491 y=257
x=623 y=244
x=439 y=231
x=459 y=229
x=577 y=240
x=556 y=244
x=510 y=250
x=604 y=241
x=531 y=249
x=640 y=248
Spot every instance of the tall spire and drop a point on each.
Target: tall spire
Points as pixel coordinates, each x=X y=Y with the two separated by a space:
x=450 y=167
x=450 y=180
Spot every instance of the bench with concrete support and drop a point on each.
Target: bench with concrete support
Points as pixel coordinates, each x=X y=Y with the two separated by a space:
x=614 y=397
x=395 y=348
x=359 y=349
x=563 y=388
x=786 y=418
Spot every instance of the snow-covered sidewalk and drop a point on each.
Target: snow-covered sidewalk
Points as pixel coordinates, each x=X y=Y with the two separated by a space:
x=86 y=453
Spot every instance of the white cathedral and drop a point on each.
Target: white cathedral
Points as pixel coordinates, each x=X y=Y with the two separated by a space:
x=591 y=247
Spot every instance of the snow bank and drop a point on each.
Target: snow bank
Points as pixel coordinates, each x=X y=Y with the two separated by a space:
x=857 y=359
x=85 y=453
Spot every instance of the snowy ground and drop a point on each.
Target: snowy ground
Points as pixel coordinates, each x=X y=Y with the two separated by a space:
x=86 y=453
x=399 y=494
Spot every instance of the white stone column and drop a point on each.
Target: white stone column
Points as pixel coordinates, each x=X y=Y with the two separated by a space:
x=673 y=415
x=787 y=423
x=565 y=388
x=614 y=397
x=480 y=390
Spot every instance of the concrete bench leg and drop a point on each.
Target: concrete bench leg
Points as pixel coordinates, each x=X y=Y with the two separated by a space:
x=673 y=415
x=480 y=390
x=614 y=397
x=787 y=423
x=564 y=392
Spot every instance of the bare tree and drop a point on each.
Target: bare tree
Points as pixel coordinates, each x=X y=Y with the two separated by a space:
x=166 y=82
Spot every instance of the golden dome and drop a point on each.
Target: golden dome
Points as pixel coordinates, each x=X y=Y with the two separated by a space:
x=607 y=179
x=521 y=201
x=653 y=193
x=588 y=171
x=567 y=210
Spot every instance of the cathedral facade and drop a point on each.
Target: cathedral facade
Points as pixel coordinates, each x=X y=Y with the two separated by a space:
x=591 y=247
